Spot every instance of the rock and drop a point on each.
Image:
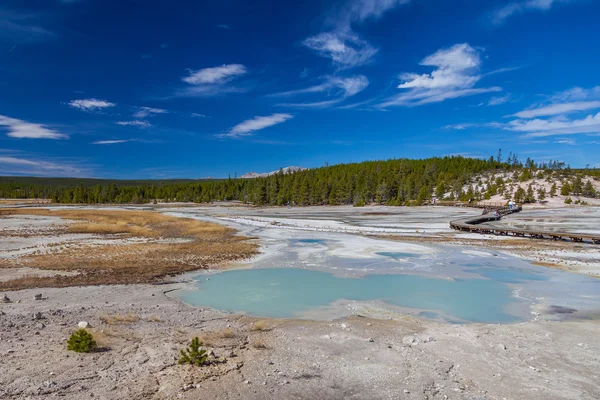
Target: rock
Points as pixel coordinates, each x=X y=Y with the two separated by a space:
x=84 y=324
x=410 y=340
x=38 y=296
x=502 y=346
x=247 y=382
x=37 y=315
x=5 y=299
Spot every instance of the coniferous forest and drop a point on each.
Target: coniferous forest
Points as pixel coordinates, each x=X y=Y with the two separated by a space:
x=391 y=182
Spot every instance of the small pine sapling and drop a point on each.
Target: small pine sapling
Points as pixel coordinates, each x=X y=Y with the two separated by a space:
x=81 y=342
x=194 y=354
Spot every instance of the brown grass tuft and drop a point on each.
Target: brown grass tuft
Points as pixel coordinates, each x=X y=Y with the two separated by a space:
x=227 y=333
x=258 y=343
x=260 y=325
x=118 y=319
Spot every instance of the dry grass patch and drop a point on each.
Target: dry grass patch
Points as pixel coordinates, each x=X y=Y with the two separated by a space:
x=119 y=319
x=258 y=343
x=226 y=333
x=261 y=325
x=220 y=338
x=206 y=245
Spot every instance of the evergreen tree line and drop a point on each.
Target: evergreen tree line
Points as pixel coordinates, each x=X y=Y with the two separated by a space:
x=392 y=182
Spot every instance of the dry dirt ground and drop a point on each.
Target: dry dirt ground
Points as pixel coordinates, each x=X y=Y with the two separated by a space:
x=140 y=330
x=91 y=246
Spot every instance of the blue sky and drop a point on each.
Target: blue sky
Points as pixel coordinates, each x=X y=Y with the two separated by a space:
x=165 y=89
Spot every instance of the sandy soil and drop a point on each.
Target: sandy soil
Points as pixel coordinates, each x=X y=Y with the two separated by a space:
x=352 y=358
x=140 y=329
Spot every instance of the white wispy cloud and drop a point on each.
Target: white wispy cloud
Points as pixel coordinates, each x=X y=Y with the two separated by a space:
x=144 y=112
x=91 y=104
x=341 y=86
x=214 y=75
x=341 y=43
x=197 y=115
x=576 y=94
x=345 y=49
x=501 y=14
x=358 y=11
x=553 y=117
x=460 y=127
x=455 y=75
x=570 y=142
x=23 y=27
x=315 y=104
x=247 y=127
x=558 y=109
x=212 y=81
x=111 y=141
x=223 y=26
x=26 y=166
x=28 y=130
x=497 y=100
x=139 y=124
x=560 y=126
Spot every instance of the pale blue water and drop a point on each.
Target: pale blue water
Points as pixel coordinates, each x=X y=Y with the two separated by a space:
x=309 y=241
x=288 y=292
x=397 y=255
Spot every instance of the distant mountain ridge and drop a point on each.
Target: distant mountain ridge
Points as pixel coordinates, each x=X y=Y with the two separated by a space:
x=286 y=170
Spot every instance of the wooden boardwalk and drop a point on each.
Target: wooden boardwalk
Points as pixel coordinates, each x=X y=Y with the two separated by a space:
x=477 y=225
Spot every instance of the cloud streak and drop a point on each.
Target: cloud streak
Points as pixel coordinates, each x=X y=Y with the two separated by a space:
x=341 y=44
x=455 y=75
x=542 y=127
x=214 y=75
x=90 y=104
x=27 y=130
x=23 y=28
x=144 y=112
x=111 y=141
x=212 y=81
x=139 y=124
x=558 y=109
x=345 y=49
x=249 y=126
x=341 y=87
x=502 y=14
x=25 y=166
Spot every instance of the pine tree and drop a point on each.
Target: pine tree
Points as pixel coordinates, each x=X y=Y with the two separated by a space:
x=541 y=194
x=588 y=189
x=194 y=354
x=520 y=195
x=529 y=196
